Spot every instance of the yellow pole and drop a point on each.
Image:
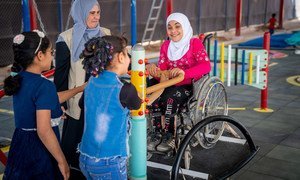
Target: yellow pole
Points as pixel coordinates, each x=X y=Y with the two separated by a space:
x=250 y=68
x=222 y=62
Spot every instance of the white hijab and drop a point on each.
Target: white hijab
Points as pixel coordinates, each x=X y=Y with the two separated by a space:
x=178 y=49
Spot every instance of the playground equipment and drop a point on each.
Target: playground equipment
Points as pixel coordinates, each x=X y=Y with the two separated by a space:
x=208 y=100
x=250 y=66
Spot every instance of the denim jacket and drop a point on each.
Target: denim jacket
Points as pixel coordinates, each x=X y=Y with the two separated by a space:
x=106 y=120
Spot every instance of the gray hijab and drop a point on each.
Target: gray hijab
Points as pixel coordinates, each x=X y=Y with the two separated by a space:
x=81 y=34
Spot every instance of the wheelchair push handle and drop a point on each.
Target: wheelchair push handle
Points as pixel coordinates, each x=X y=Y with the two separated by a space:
x=165 y=84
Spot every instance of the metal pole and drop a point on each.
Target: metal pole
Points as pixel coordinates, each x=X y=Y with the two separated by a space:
x=215 y=56
x=248 y=13
x=243 y=67
x=120 y=16
x=169 y=7
x=199 y=17
x=226 y=15
x=264 y=92
x=294 y=9
x=138 y=137
x=266 y=12
x=26 y=15
x=238 y=17
x=236 y=66
x=281 y=14
x=133 y=23
x=60 y=15
x=33 y=24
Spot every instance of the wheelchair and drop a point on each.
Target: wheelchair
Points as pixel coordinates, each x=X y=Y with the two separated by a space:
x=208 y=98
x=200 y=126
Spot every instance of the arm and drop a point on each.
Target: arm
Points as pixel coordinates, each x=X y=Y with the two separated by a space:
x=46 y=101
x=66 y=95
x=129 y=97
x=62 y=67
x=48 y=138
x=162 y=64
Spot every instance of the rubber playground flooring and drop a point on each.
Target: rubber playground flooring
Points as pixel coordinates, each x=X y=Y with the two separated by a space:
x=277 y=133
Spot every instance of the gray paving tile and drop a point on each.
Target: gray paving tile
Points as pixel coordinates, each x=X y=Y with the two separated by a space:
x=264 y=148
x=7 y=133
x=238 y=103
x=295 y=105
x=285 y=153
x=276 y=126
x=6 y=104
x=292 y=140
x=280 y=96
x=249 y=175
x=250 y=113
x=246 y=121
x=283 y=117
x=297 y=132
x=1 y=168
x=276 y=168
x=288 y=110
x=5 y=116
x=267 y=135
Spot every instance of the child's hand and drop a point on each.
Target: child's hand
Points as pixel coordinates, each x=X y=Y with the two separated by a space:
x=63 y=116
x=64 y=169
x=152 y=69
x=82 y=86
x=175 y=72
x=163 y=78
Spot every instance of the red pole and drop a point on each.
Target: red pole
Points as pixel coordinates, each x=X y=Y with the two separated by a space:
x=49 y=73
x=169 y=7
x=3 y=158
x=264 y=92
x=281 y=14
x=33 y=24
x=1 y=93
x=238 y=17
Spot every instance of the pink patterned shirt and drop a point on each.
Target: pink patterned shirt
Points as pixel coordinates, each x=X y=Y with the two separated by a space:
x=195 y=62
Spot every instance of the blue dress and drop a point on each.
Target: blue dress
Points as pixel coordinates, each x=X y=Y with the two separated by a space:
x=28 y=158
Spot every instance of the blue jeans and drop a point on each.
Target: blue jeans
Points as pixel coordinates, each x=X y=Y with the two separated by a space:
x=113 y=168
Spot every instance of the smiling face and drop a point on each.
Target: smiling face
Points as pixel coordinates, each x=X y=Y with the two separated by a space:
x=93 y=18
x=175 y=31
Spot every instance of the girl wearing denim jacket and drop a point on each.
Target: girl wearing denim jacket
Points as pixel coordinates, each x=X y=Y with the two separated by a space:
x=107 y=101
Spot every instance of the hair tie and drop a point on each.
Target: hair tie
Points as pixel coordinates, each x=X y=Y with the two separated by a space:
x=12 y=74
x=18 y=39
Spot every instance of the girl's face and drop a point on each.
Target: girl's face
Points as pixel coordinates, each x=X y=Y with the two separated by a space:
x=175 y=31
x=93 y=18
x=126 y=60
x=48 y=56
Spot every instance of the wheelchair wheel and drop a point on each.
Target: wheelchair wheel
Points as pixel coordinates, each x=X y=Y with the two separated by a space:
x=225 y=159
x=211 y=100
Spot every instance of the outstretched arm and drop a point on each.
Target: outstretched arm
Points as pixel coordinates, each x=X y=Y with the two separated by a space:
x=66 y=95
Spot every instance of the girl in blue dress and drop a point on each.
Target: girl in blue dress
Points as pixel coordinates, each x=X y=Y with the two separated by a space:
x=35 y=152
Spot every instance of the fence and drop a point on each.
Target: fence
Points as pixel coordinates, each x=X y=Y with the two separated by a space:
x=205 y=15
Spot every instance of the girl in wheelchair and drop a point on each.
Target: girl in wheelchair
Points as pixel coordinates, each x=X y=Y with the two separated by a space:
x=181 y=54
